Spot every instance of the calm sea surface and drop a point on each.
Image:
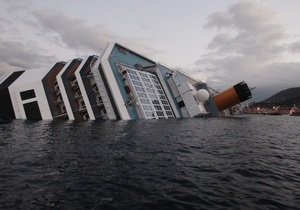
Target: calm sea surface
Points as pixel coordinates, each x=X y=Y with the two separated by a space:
x=252 y=162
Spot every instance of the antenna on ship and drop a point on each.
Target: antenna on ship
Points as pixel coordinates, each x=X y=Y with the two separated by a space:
x=98 y=58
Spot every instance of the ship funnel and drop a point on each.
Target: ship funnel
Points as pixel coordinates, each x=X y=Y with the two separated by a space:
x=232 y=96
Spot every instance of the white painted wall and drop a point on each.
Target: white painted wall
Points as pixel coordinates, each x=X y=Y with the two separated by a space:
x=167 y=92
x=83 y=91
x=116 y=94
x=30 y=79
x=64 y=93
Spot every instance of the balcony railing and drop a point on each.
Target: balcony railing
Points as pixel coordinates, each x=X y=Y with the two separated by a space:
x=99 y=103
x=90 y=74
x=59 y=100
x=77 y=95
x=57 y=91
x=95 y=90
x=81 y=108
x=74 y=83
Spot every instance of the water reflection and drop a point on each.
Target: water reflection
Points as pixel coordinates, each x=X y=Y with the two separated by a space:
x=200 y=163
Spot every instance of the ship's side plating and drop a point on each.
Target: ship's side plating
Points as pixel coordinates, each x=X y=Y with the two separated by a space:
x=28 y=96
x=118 y=84
x=143 y=89
x=183 y=91
x=6 y=105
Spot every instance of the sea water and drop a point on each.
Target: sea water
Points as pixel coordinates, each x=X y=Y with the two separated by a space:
x=249 y=162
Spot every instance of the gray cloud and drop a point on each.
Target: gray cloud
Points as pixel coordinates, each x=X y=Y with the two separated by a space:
x=19 y=55
x=31 y=37
x=295 y=47
x=16 y=50
x=72 y=31
x=220 y=20
x=250 y=45
x=78 y=34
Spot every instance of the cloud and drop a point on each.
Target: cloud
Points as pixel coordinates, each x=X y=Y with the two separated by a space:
x=220 y=20
x=250 y=45
x=295 y=47
x=73 y=32
x=32 y=37
x=18 y=49
x=5 y=68
x=78 y=34
x=24 y=56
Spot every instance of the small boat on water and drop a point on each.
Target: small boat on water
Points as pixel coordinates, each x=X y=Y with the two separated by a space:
x=295 y=114
x=295 y=111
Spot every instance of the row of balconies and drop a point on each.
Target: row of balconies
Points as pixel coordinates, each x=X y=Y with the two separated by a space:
x=81 y=108
x=95 y=88
x=74 y=83
x=86 y=116
x=90 y=74
x=77 y=94
x=59 y=99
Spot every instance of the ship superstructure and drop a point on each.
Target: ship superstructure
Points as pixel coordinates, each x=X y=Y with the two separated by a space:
x=118 y=84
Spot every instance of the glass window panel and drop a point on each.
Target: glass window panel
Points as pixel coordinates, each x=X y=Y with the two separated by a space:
x=149 y=114
x=131 y=71
x=153 y=96
x=145 y=101
x=140 y=89
x=133 y=77
x=142 y=95
x=145 y=79
x=150 y=90
x=167 y=108
x=143 y=74
x=160 y=92
x=155 y=102
x=169 y=113
x=162 y=97
x=160 y=113
x=148 y=85
x=158 y=107
x=136 y=83
x=156 y=82
x=152 y=76
x=158 y=87
x=147 y=107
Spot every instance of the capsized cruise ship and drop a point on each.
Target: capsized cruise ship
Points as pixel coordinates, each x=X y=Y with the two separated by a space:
x=118 y=84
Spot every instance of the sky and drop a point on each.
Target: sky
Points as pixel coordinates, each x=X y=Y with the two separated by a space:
x=221 y=42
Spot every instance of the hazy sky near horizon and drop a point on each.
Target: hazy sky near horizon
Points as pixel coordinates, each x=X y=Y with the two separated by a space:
x=222 y=42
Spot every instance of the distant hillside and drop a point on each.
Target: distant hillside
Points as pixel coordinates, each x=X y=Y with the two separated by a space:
x=291 y=94
x=287 y=97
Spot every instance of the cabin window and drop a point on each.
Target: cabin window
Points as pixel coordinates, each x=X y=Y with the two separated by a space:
x=27 y=94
